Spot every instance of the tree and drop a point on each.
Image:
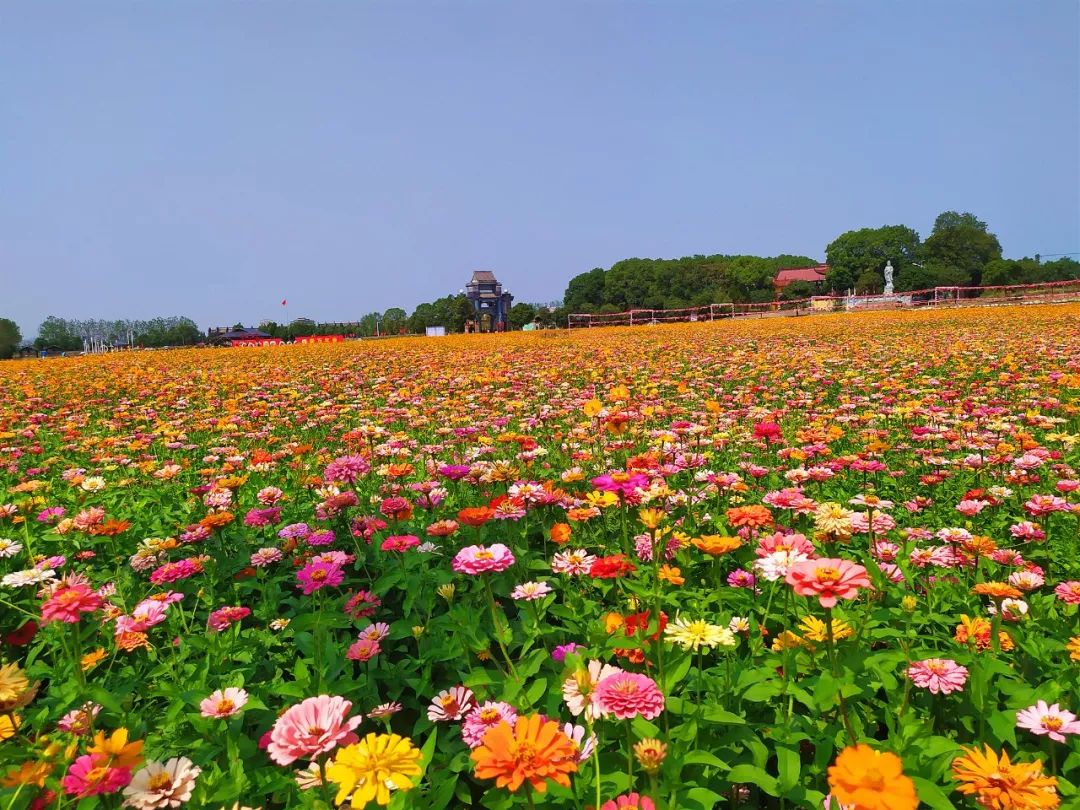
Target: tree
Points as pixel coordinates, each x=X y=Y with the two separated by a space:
x=869 y=282
x=10 y=337
x=954 y=219
x=521 y=314
x=394 y=320
x=960 y=242
x=57 y=333
x=585 y=292
x=852 y=253
x=797 y=290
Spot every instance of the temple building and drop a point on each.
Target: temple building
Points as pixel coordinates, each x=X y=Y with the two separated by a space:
x=490 y=302
x=815 y=276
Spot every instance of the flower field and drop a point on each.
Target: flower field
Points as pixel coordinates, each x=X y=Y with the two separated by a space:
x=829 y=561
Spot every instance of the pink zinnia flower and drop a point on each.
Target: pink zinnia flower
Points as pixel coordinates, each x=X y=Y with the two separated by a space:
x=482 y=718
x=579 y=690
x=451 y=704
x=1069 y=592
x=361 y=604
x=828 y=579
x=363 y=649
x=67 y=604
x=221 y=618
x=91 y=774
x=346 y=469
x=317 y=575
x=1051 y=720
x=480 y=559
x=629 y=801
x=223 y=702
x=173 y=571
x=530 y=591
x=400 y=542
x=78 y=721
x=939 y=675
x=312 y=727
x=265 y=556
x=621 y=483
x=574 y=563
x=628 y=694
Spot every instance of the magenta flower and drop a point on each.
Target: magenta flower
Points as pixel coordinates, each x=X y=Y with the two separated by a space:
x=481 y=559
x=484 y=717
x=1051 y=720
x=312 y=727
x=939 y=675
x=346 y=469
x=621 y=483
x=1069 y=592
x=400 y=542
x=628 y=694
x=222 y=618
x=317 y=575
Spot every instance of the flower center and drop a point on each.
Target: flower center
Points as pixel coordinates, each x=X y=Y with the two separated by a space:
x=489 y=715
x=626 y=687
x=95 y=775
x=1052 y=723
x=484 y=555
x=318 y=575
x=873 y=779
x=225 y=706
x=160 y=781
x=826 y=573
x=316 y=731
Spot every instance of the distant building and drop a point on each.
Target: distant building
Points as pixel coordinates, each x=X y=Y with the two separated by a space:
x=490 y=302
x=224 y=336
x=815 y=276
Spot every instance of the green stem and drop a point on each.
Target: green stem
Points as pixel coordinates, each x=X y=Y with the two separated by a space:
x=498 y=629
x=836 y=676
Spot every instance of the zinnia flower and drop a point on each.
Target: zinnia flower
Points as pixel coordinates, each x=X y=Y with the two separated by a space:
x=369 y=769
x=871 y=780
x=939 y=675
x=68 y=603
x=157 y=785
x=533 y=750
x=451 y=704
x=628 y=694
x=483 y=718
x=828 y=579
x=629 y=801
x=312 y=727
x=317 y=575
x=697 y=633
x=481 y=559
x=530 y=591
x=1000 y=784
x=223 y=702
x=1051 y=720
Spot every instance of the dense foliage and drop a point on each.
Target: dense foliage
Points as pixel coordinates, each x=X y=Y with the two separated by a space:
x=73 y=334
x=736 y=564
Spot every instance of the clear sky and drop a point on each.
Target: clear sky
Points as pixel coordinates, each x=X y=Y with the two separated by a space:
x=212 y=158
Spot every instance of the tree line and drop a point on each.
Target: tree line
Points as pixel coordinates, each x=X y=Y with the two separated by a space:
x=959 y=252
x=68 y=334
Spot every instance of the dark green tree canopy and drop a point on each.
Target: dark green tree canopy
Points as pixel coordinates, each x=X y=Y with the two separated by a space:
x=10 y=337
x=853 y=253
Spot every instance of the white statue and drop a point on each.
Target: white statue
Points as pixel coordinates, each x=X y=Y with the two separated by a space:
x=888 y=277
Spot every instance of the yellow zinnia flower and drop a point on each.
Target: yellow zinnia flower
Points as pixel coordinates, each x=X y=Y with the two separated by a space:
x=13 y=682
x=814 y=629
x=368 y=770
x=692 y=635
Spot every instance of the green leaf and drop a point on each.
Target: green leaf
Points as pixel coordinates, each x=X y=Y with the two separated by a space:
x=1003 y=725
x=788 y=765
x=701 y=797
x=753 y=775
x=931 y=795
x=703 y=758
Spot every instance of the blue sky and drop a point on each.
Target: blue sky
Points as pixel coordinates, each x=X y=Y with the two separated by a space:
x=211 y=158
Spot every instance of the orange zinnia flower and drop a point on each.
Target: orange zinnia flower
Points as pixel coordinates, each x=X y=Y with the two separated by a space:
x=871 y=780
x=1003 y=785
x=475 y=515
x=997 y=590
x=754 y=516
x=671 y=575
x=716 y=544
x=560 y=533
x=532 y=749
x=217 y=520
x=120 y=752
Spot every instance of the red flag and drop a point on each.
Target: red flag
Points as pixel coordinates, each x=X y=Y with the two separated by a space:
x=284 y=302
